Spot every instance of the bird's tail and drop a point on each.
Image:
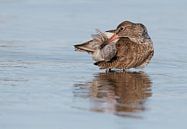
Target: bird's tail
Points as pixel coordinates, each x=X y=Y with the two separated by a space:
x=85 y=47
x=90 y=46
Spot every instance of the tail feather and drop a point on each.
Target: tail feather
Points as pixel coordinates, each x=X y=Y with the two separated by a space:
x=85 y=47
x=98 y=40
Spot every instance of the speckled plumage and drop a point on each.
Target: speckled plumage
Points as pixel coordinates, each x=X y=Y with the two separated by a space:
x=129 y=55
x=133 y=49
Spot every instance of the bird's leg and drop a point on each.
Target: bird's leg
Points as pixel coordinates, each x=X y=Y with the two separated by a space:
x=108 y=70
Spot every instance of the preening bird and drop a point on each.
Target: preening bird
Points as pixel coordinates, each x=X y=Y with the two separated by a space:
x=127 y=46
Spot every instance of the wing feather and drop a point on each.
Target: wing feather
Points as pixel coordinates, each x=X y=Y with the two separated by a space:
x=129 y=55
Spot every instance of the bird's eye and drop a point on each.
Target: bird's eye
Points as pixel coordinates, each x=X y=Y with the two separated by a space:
x=122 y=28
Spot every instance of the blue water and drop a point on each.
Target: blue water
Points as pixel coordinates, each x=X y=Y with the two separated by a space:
x=45 y=84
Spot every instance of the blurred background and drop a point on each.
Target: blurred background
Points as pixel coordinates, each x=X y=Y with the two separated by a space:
x=45 y=84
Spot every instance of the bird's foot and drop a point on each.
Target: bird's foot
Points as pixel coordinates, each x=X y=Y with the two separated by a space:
x=108 y=70
x=124 y=70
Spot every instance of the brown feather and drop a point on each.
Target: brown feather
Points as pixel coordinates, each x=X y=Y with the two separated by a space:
x=129 y=55
x=133 y=49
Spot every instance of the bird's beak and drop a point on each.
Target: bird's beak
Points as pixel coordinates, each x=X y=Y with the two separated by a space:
x=111 y=31
x=113 y=38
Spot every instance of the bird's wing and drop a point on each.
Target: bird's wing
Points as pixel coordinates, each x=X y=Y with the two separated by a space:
x=128 y=55
x=122 y=48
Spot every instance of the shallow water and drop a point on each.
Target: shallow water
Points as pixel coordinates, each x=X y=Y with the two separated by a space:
x=45 y=84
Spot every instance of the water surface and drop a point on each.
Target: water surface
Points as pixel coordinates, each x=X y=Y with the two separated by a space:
x=44 y=84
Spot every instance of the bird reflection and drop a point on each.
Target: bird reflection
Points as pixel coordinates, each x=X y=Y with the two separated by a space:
x=116 y=92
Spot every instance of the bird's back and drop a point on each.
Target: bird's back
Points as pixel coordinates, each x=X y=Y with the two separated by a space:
x=129 y=55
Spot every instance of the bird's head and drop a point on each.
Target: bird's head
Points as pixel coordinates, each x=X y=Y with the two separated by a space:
x=131 y=30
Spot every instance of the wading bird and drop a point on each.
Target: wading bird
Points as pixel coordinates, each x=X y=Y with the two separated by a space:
x=127 y=46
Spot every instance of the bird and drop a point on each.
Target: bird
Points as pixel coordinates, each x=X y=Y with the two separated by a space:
x=127 y=46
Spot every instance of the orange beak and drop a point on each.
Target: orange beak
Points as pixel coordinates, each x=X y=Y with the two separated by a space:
x=113 y=37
